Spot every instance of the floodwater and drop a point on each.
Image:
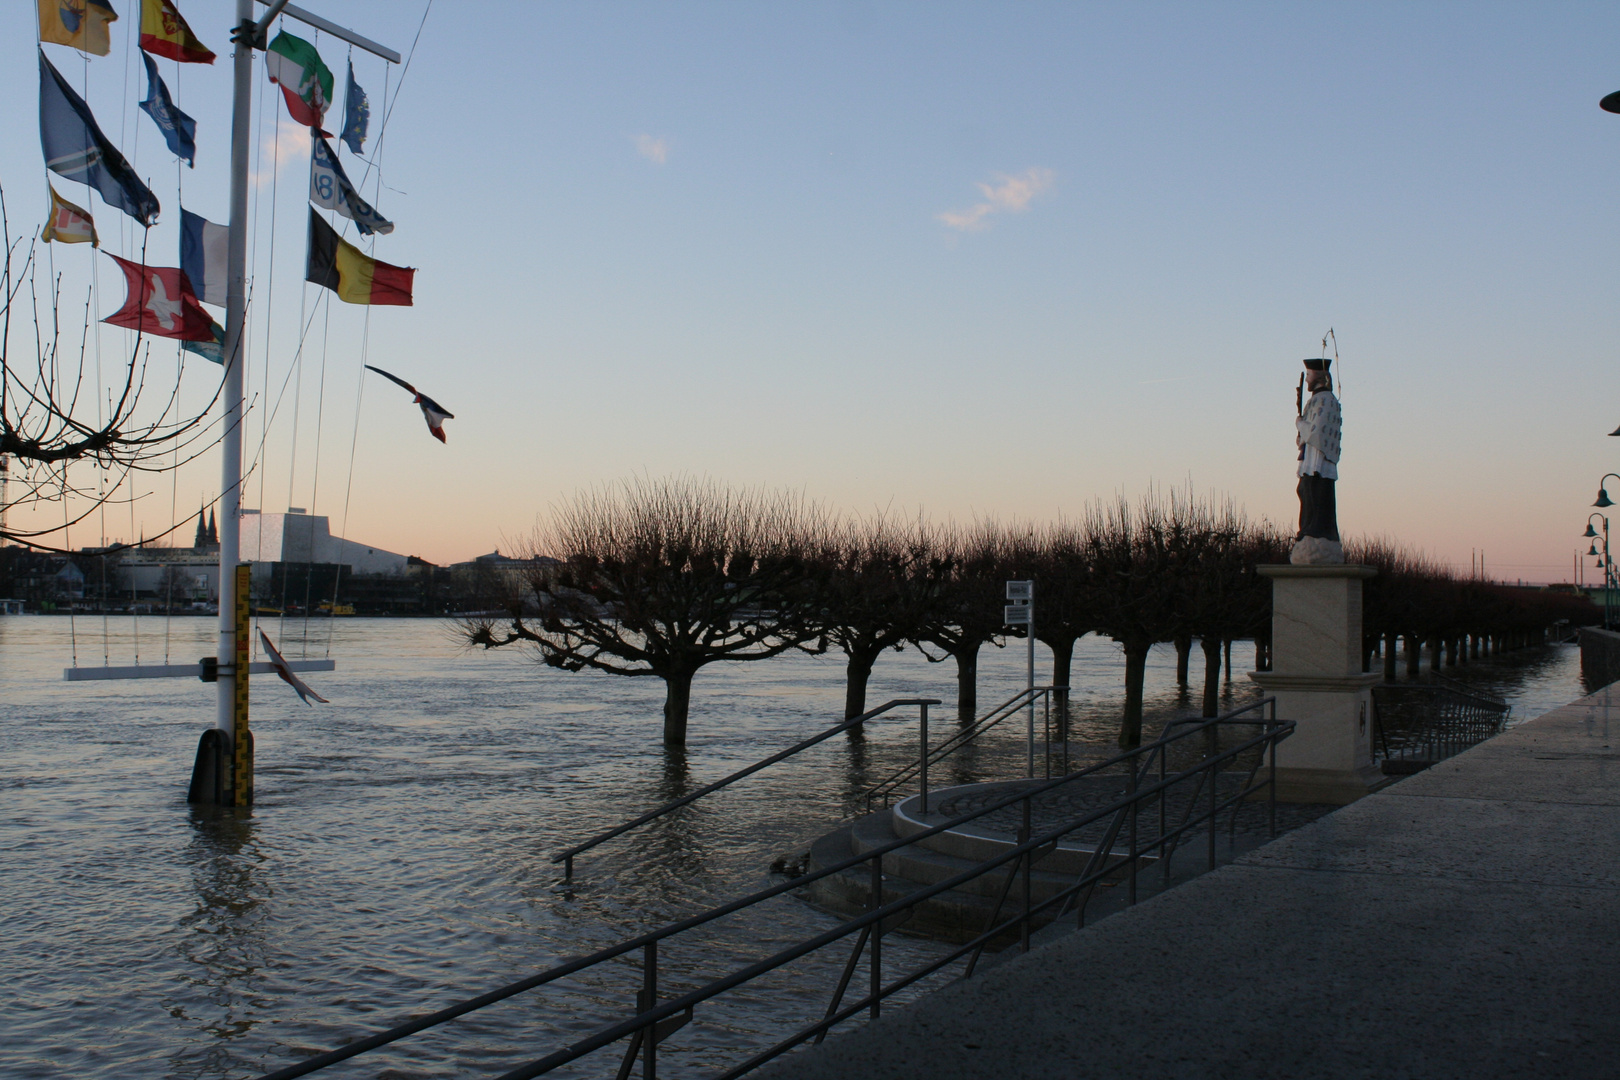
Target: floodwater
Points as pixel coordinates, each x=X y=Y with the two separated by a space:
x=398 y=855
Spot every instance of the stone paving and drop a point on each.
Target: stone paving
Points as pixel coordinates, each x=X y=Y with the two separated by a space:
x=1462 y=923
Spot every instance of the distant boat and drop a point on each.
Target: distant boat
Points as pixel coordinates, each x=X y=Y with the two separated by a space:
x=329 y=608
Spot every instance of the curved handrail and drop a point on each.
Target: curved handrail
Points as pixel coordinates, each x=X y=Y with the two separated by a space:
x=567 y=857
x=939 y=753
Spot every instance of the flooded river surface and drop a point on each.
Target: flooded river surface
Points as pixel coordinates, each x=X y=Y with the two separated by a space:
x=398 y=855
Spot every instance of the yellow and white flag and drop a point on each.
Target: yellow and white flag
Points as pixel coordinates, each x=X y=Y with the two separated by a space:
x=68 y=224
x=79 y=23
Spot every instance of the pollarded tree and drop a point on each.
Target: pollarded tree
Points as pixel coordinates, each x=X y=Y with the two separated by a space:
x=662 y=577
x=876 y=585
x=1054 y=557
x=966 y=591
x=1136 y=560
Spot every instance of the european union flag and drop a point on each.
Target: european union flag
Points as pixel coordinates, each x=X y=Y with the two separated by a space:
x=76 y=149
x=356 y=114
x=179 y=130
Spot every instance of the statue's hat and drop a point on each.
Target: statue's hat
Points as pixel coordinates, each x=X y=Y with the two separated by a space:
x=1317 y=363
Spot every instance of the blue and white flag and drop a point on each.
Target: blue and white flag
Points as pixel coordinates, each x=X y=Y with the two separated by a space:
x=329 y=187
x=76 y=149
x=356 y=115
x=209 y=350
x=179 y=130
x=203 y=249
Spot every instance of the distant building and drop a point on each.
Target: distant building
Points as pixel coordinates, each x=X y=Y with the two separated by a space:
x=297 y=537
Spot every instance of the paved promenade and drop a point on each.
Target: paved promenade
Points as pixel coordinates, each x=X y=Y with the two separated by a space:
x=1464 y=922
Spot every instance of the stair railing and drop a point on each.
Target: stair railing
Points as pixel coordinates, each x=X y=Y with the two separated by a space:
x=654 y=1020
x=566 y=857
x=1026 y=698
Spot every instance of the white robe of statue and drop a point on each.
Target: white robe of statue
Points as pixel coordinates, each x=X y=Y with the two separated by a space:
x=1318 y=436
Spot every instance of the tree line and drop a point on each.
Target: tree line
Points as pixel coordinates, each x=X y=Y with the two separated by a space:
x=662 y=577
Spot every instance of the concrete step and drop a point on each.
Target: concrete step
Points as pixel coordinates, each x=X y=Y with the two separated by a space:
x=928 y=865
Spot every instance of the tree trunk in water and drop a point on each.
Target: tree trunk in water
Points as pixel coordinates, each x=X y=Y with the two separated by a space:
x=856 y=673
x=1414 y=656
x=1130 y=729
x=1183 y=658
x=1212 y=676
x=1227 y=645
x=1062 y=665
x=1390 y=641
x=677 y=702
x=967 y=684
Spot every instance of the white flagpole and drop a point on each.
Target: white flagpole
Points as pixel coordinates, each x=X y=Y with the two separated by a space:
x=230 y=508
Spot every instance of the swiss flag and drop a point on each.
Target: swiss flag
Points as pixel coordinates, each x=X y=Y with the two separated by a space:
x=161 y=303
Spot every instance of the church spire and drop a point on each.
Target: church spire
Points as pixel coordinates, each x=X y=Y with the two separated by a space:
x=202 y=530
x=213 y=529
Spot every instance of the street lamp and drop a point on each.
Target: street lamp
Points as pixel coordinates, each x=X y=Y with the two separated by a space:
x=1603 y=499
x=1604 y=561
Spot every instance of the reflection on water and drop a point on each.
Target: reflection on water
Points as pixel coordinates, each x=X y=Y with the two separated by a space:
x=398 y=854
x=220 y=941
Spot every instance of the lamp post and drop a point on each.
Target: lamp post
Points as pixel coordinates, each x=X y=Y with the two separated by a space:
x=1604 y=560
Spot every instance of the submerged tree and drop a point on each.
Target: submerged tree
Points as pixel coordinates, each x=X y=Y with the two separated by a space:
x=876 y=586
x=662 y=577
x=1135 y=556
x=965 y=604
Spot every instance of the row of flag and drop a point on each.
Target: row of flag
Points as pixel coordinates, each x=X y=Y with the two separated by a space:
x=166 y=301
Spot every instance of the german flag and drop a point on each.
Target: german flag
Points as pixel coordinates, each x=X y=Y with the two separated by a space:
x=356 y=279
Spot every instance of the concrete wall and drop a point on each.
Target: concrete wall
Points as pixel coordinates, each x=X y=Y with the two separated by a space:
x=1600 y=657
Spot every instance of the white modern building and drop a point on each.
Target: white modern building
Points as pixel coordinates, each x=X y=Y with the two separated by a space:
x=297 y=537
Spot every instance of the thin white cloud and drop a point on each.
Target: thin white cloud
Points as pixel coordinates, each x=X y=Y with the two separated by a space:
x=284 y=146
x=654 y=150
x=1008 y=194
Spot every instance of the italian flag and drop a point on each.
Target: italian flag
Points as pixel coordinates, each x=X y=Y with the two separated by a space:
x=305 y=81
x=355 y=278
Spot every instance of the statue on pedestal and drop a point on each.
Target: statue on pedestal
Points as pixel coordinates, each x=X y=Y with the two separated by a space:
x=1318 y=440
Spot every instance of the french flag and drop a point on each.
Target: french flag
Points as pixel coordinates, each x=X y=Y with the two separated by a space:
x=203 y=247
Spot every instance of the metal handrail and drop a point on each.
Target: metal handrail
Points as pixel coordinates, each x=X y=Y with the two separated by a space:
x=567 y=857
x=653 y=1020
x=1462 y=689
x=886 y=787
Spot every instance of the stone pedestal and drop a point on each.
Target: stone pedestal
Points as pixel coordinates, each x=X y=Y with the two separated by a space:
x=1317 y=679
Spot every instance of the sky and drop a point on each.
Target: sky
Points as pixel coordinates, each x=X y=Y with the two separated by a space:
x=967 y=259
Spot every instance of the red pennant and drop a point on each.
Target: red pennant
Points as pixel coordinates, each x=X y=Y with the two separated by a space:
x=161 y=303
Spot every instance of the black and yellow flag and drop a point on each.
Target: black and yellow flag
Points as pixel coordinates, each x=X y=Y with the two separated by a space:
x=356 y=278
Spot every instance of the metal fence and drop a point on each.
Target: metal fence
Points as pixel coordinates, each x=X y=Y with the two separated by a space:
x=1176 y=790
x=1418 y=724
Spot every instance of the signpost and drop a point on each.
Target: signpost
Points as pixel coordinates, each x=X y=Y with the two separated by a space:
x=1021 y=612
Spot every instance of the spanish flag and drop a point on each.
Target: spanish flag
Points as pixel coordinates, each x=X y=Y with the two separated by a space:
x=165 y=33
x=68 y=224
x=79 y=23
x=356 y=279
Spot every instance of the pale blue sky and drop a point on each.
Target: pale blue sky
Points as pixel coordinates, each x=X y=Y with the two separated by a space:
x=718 y=239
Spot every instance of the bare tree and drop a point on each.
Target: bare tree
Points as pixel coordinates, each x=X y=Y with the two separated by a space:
x=1054 y=557
x=1135 y=556
x=55 y=414
x=662 y=577
x=877 y=590
x=964 y=606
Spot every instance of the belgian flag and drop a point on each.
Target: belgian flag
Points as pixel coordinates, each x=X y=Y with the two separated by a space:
x=355 y=278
